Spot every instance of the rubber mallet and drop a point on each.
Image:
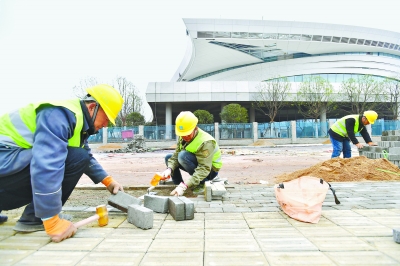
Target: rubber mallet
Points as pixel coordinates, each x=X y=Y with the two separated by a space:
x=101 y=216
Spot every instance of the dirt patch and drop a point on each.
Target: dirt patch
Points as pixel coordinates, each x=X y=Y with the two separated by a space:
x=348 y=170
x=110 y=147
x=263 y=142
x=328 y=141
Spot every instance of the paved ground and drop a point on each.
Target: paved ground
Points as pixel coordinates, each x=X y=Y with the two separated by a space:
x=245 y=228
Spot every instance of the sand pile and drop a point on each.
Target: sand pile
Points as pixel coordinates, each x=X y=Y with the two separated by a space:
x=348 y=170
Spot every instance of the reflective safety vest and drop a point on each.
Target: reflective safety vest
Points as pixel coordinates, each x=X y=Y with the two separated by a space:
x=339 y=127
x=17 y=128
x=201 y=137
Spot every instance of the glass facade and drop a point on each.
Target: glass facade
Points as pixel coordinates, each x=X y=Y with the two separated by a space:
x=302 y=37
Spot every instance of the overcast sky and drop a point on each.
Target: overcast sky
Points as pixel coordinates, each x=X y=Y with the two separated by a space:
x=48 y=46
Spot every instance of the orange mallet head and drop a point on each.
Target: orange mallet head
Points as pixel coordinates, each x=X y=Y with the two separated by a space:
x=101 y=216
x=102 y=212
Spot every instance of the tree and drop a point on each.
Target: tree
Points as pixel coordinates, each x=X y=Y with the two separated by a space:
x=391 y=87
x=315 y=97
x=234 y=113
x=204 y=116
x=80 y=90
x=132 y=100
x=135 y=119
x=363 y=93
x=270 y=95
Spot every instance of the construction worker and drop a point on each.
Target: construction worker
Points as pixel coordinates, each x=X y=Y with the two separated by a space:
x=197 y=153
x=44 y=152
x=343 y=131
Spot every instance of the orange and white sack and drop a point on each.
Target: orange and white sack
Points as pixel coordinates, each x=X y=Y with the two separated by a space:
x=302 y=198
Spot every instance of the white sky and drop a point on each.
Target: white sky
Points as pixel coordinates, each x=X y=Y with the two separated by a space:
x=48 y=46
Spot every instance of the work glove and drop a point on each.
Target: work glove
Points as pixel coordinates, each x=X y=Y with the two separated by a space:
x=112 y=185
x=166 y=174
x=59 y=229
x=179 y=190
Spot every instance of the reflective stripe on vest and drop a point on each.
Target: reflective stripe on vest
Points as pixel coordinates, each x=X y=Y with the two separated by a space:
x=339 y=127
x=201 y=137
x=18 y=128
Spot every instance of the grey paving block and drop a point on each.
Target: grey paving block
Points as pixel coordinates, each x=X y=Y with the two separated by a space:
x=189 y=208
x=156 y=203
x=396 y=235
x=218 y=189
x=121 y=201
x=176 y=208
x=140 y=216
x=207 y=191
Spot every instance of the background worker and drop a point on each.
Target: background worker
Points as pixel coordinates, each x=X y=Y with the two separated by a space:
x=343 y=131
x=44 y=152
x=196 y=152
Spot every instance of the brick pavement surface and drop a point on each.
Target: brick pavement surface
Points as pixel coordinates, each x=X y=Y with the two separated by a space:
x=246 y=227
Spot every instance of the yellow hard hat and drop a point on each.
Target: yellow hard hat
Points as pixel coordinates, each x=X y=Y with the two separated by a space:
x=108 y=98
x=371 y=116
x=185 y=123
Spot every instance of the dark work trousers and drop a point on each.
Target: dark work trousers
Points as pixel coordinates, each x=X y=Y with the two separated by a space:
x=188 y=163
x=16 y=189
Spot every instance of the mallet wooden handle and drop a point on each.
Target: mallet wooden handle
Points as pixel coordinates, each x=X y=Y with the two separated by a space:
x=87 y=221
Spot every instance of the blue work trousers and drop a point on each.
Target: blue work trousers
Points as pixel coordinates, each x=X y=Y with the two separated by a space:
x=188 y=163
x=15 y=184
x=341 y=146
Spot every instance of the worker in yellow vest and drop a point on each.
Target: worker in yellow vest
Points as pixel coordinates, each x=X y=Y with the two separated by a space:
x=343 y=131
x=196 y=152
x=44 y=152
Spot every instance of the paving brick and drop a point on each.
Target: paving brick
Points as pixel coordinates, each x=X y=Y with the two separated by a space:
x=189 y=208
x=176 y=208
x=396 y=235
x=10 y=257
x=140 y=216
x=207 y=191
x=298 y=258
x=172 y=258
x=53 y=258
x=234 y=258
x=112 y=258
x=360 y=258
x=121 y=201
x=156 y=203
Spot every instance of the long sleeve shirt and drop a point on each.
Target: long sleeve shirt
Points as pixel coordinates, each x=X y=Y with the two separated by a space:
x=204 y=156
x=350 y=122
x=54 y=126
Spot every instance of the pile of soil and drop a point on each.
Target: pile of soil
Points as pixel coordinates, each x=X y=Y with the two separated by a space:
x=348 y=170
x=263 y=142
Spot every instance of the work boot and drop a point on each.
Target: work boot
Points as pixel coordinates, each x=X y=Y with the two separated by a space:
x=3 y=218
x=28 y=222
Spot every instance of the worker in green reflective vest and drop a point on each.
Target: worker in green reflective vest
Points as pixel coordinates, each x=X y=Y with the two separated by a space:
x=197 y=153
x=44 y=152
x=344 y=130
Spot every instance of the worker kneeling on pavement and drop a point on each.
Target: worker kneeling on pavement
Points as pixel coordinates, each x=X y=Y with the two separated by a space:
x=343 y=131
x=196 y=152
x=44 y=152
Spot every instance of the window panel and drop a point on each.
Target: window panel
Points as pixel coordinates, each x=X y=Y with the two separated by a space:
x=374 y=43
x=253 y=35
x=317 y=38
x=222 y=34
x=386 y=45
x=380 y=44
x=360 y=41
x=326 y=38
x=205 y=34
x=242 y=35
x=305 y=37
x=335 y=39
x=353 y=40
x=270 y=35
x=344 y=40
x=367 y=42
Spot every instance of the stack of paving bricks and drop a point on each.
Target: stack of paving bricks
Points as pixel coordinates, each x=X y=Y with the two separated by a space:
x=214 y=191
x=388 y=147
x=180 y=208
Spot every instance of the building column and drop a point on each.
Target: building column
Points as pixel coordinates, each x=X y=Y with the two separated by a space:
x=105 y=135
x=255 y=131
x=252 y=114
x=168 y=121
x=293 y=126
x=322 y=120
x=216 y=132
x=141 y=130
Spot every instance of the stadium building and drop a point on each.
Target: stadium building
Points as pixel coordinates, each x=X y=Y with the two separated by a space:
x=226 y=60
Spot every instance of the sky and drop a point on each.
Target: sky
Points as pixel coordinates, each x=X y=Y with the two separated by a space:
x=49 y=46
